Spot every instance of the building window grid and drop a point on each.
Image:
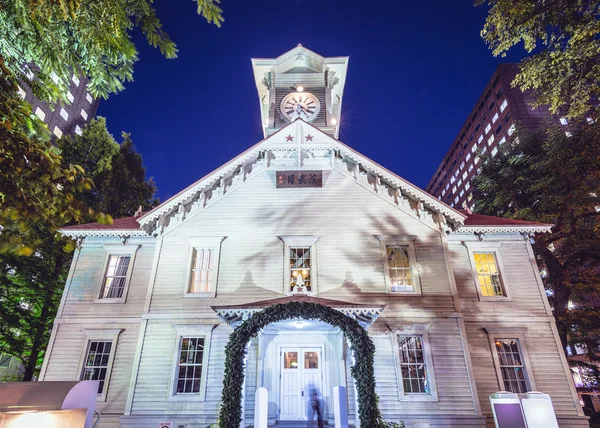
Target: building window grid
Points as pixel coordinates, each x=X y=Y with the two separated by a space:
x=96 y=362
x=115 y=277
x=511 y=365
x=201 y=281
x=412 y=365
x=488 y=275
x=300 y=265
x=189 y=370
x=399 y=268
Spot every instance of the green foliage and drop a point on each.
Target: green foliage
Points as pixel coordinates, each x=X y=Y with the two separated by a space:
x=362 y=372
x=551 y=178
x=35 y=186
x=562 y=37
x=89 y=37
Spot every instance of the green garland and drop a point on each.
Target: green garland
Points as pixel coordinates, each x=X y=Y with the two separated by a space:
x=362 y=372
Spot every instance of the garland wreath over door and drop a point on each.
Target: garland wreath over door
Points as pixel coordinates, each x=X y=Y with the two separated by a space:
x=362 y=372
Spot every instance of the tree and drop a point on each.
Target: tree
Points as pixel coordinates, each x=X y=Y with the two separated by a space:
x=551 y=178
x=42 y=42
x=562 y=37
x=31 y=286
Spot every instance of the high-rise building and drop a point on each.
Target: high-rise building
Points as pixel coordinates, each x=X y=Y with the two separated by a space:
x=490 y=124
x=65 y=118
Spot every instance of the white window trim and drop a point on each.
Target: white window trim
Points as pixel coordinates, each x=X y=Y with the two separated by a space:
x=99 y=335
x=390 y=240
x=489 y=247
x=116 y=250
x=212 y=243
x=423 y=331
x=511 y=333
x=291 y=241
x=181 y=331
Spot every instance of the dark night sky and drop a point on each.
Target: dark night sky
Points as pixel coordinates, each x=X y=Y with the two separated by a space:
x=416 y=69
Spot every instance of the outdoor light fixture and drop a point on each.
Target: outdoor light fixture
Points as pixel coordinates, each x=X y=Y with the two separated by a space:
x=299 y=88
x=333 y=121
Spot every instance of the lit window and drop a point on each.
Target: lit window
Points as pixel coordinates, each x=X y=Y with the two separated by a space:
x=452 y=180
x=115 y=277
x=474 y=148
x=452 y=204
x=54 y=77
x=470 y=197
x=456 y=173
x=462 y=165
x=189 y=366
x=40 y=113
x=470 y=167
x=96 y=362
x=483 y=150
x=64 y=114
x=462 y=193
x=399 y=269
x=447 y=186
x=589 y=120
x=468 y=157
x=413 y=366
x=494 y=151
x=491 y=140
x=502 y=141
x=511 y=130
x=503 y=106
x=202 y=266
x=488 y=276
x=88 y=97
x=22 y=94
x=495 y=118
x=300 y=264
x=443 y=192
x=488 y=128
x=480 y=139
x=78 y=130
x=511 y=364
x=456 y=200
x=75 y=80
x=467 y=186
x=459 y=183
x=568 y=134
x=70 y=96
x=464 y=176
x=564 y=121
x=84 y=114
x=57 y=131
x=476 y=160
x=454 y=189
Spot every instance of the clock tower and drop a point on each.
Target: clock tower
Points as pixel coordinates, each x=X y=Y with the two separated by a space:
x=300 y=84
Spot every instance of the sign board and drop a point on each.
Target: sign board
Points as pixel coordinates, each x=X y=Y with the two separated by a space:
x=507 y=411
x=165 y=425
x=297 y=179
x=538 y=410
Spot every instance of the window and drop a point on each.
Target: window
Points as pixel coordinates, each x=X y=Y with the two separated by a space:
x=495 y=118
x=502 y=141
x=447 y=186
x=96 y=362
x=568 y=134
x=459 y=183
x=456 y=200
x=300 y=275
x=201 y=278
x=88 y=97
x=470 y=167
x=70 y=96
x=487 y=273
x=488 y=127
x=564 y=121
x=474 y=148
x=462 y=193
x=75 y=80
x=189 y=368
x=78 y=130
x=490 y=140
x=464 y=176
x=511 y=359
x=412 y=365
x=462 y=165
x=115 y=277
x=498 y=129
x=467 y=186
x=64 y=114
x=400 y=264
x=494 y=151
x=299 y=263
x=503 y=106
x=54 y=77
x=84 y=114
x=40 y=113
x=443 y=192
x=454 y=189
x=476 y=161
x=589 y=120
x=468 y=157
x=480 y=139
x=452 y=180
x=22 y=94
x=57 y=131
x=511 y=130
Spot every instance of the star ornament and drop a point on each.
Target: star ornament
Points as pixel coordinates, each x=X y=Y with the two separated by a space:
x=309 y=137
x=289 y=138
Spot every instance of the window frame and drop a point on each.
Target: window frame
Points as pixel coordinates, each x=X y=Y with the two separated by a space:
x=511 y=333
x=489 y=247
x=104 y=335
x=189 y=330
x=116 y=250
x=293 y=241
x=212 y=243
x=401 y=240
x=415 y=330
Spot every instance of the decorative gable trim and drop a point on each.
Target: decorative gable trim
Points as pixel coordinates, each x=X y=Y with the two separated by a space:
x=469 y=230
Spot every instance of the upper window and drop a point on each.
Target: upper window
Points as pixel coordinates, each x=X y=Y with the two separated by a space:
x=589 y=120
x=189 y=367
x=488 y=275
x=70 y=96
x=115 y=277
x=88 y=97
x=400 y=264
x=412 y=365
x=23 y=94
x=503 y=106
x=78 y=130
x=495 y=118
x=300 y=275
x=40 y=113
x=488 y=127
x=84 y=114
x=64 y=114
x=511 y=130
x=201 y=274
x=75 y=80
x=95 y=365
x=564 y=121
x=57 y=131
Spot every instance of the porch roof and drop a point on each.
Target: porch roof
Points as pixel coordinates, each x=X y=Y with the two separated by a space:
x=234 y=315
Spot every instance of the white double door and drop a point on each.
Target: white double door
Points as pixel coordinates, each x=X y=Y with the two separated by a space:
x=301 y=379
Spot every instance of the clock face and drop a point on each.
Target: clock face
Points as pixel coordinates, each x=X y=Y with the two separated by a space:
x=300 y=105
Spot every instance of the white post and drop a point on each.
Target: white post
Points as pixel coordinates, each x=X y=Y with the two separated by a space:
x=340 y=407
x=261 y=408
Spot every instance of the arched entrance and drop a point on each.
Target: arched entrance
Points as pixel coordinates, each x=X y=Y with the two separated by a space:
x=362 y=372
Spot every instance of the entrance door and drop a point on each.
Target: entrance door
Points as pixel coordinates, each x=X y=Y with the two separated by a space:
x=300 y=373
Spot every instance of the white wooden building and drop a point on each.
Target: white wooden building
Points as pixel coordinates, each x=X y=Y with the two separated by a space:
x=453 y=301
